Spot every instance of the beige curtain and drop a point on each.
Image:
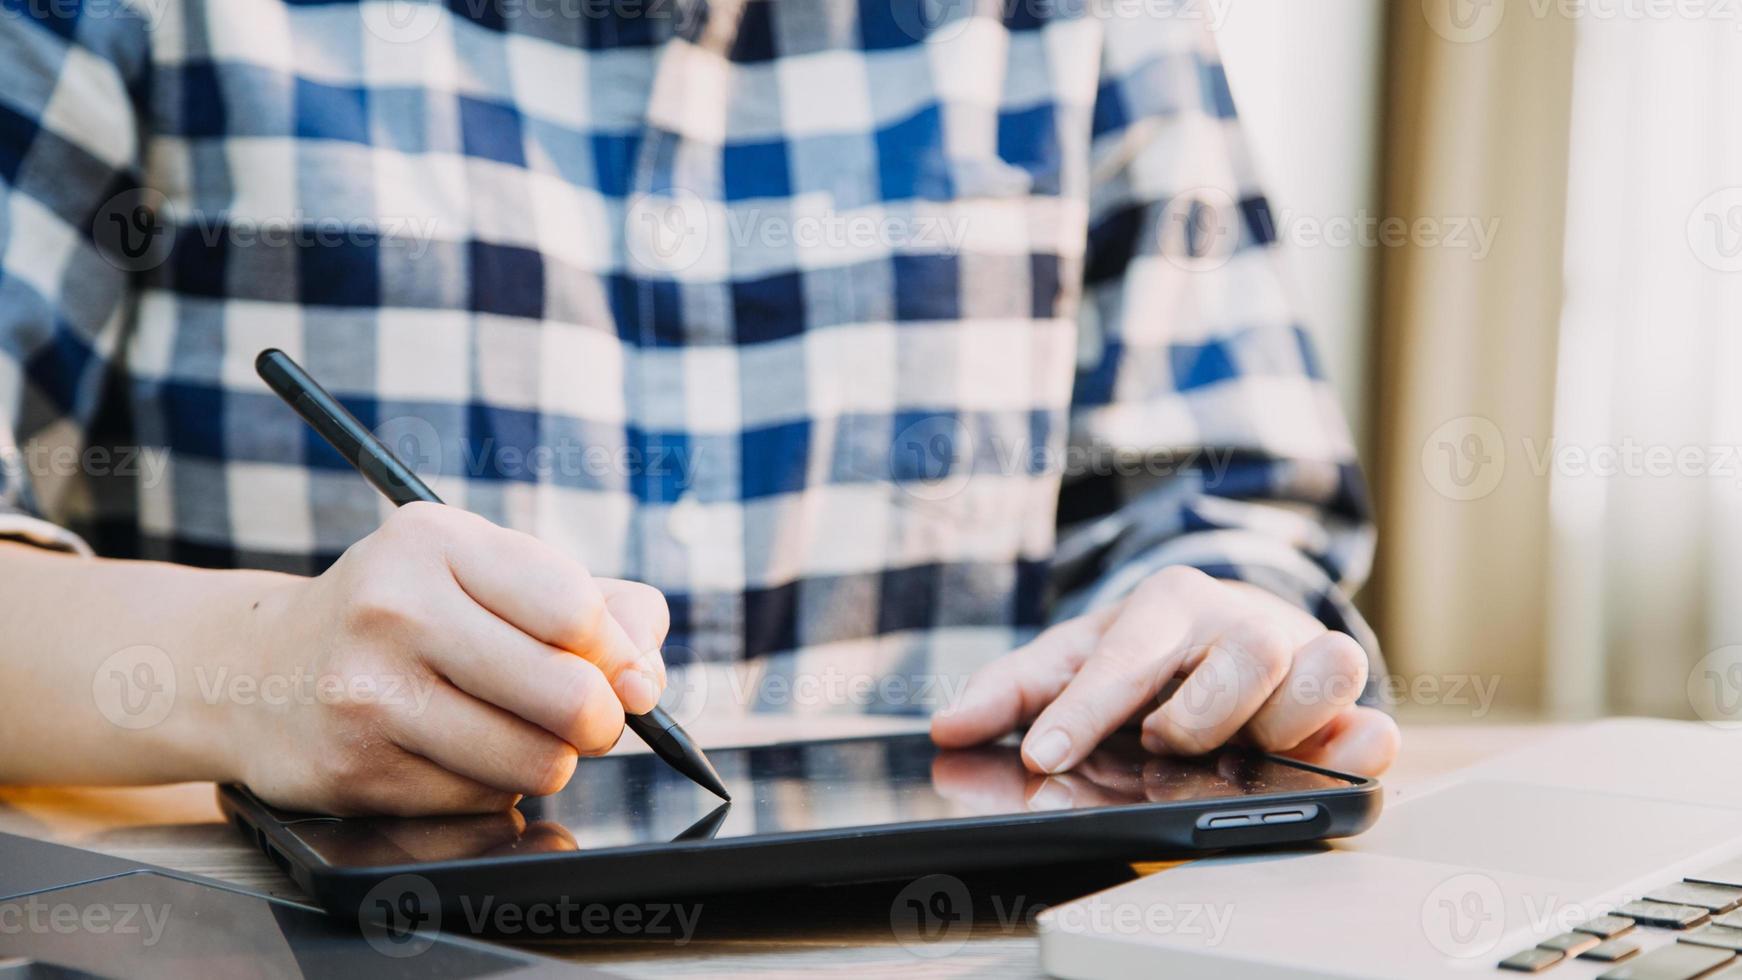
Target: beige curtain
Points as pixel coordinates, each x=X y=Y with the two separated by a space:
x=1477 y=132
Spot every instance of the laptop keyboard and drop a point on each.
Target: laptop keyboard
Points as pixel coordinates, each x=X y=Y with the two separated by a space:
x=1703 y=911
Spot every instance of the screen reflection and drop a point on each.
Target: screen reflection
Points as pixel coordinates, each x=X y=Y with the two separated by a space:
x=636 y=799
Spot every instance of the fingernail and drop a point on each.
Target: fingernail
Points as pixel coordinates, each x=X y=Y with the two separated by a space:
x=640 y=690
x=1049 y=750
x=1052 y=795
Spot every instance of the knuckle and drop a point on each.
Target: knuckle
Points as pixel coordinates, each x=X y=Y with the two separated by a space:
x=1345 y=660
x=376 y=607
x=1183 y=738
x=1266 y=648
x=420 y=518
x=585 y=613
x=553 y=768
x=591 y=715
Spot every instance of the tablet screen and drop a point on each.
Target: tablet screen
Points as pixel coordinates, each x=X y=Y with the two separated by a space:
x=637 y=799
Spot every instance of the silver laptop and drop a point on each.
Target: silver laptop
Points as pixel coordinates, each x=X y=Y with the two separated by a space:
x=1614 y=851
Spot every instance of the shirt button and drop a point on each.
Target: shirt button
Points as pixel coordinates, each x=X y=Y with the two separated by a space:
x=684 y=521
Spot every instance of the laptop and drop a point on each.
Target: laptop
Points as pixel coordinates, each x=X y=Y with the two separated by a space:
x=70 y=914
x=1613 y=851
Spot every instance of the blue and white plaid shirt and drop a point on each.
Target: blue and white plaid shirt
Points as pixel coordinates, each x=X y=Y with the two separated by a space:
x=875 y=340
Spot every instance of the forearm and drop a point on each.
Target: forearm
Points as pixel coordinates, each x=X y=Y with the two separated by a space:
x=108 y=665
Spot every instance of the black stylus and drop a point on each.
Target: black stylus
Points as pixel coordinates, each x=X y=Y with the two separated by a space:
x=380 y=467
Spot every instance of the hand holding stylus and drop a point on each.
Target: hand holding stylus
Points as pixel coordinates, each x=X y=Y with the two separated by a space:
x=442 y=665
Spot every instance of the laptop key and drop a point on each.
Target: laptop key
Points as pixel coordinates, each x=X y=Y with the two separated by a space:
x=1732 y=920
x=1730 y=939
x=1532 y=960
x=1611 y=951
x=1570 y=943
x=1712 y=898
x=1677 y=961
x=1664 y=914
x=1606 y=926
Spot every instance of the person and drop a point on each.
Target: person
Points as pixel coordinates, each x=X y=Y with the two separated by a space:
x=940 y=355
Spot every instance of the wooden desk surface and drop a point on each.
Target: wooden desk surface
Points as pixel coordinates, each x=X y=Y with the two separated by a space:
x=847 y=934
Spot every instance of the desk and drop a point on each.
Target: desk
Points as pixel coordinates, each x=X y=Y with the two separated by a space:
x=179 y=827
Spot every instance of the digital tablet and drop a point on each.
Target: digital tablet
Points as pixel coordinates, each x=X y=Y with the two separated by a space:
x=628 y=828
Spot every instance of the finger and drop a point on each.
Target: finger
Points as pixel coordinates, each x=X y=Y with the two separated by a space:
x=642 y=612
x=548 y=596
x=484 y=743
x=1326 y=677
x=1011 y=690
x=551 y=688
x=1363 y=741
x=456 y=838
x=1236 y=674
x=980 y=780
x=410 y=786
x=1070 y=791
x=1138 y=653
